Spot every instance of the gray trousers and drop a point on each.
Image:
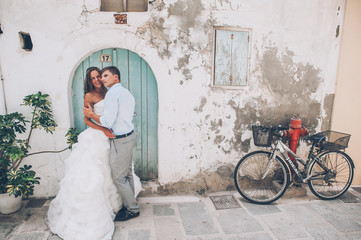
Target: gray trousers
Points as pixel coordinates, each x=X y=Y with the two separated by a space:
x=121 y=151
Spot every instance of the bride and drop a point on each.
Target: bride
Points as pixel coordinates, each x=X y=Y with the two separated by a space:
x=87 y=201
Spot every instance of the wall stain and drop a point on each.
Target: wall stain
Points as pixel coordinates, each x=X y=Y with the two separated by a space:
x=337 y=31
x=188 y=11
x=218 y=139
x=183 y=63
x=327 y=106
x=289 y=87
x=215 y=124
x=155 y=33
x=160 y=33
x=199 y=109
x=245 y=116
x=285 y=77
x=206 y=181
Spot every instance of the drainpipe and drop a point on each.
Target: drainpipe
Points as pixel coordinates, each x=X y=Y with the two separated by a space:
x=3 y=108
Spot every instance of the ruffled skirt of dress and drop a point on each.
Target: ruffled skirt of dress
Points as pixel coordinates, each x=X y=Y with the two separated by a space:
x=85 y=204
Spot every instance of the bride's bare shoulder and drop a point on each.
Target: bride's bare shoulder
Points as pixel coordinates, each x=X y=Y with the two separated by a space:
x=89 y=95
x=89 y=98
x=93 y=97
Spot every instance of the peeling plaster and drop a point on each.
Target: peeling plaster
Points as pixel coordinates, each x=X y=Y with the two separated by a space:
x=219 y=139
x=177 y=31
x=284 y=76
x=337 y=31
x=201 y=105
x=188 y=11
x=155 y=33
x=183 y=64
x=292 y=86
x=83 y=18
x=204 y=182
x=159 y=38
x=327 y=106
x=289 y=88
x=215 y=124
x=245 y=117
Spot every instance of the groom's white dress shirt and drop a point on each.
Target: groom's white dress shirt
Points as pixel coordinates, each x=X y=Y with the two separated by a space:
x=118 y=113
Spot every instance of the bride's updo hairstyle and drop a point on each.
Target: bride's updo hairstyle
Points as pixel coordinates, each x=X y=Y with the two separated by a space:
x=88 y=85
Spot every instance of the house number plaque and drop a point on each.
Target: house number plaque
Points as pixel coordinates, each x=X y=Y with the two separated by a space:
x=105 y=58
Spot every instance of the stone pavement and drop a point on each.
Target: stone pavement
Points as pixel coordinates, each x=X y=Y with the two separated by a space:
x=222 y=215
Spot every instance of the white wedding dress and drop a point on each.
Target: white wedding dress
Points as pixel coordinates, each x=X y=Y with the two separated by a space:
x=87 y=201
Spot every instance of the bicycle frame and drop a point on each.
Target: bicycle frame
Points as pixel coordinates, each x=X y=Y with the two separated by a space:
x=279 y=146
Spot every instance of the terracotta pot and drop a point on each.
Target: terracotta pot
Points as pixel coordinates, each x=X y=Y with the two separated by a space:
x=9 y=204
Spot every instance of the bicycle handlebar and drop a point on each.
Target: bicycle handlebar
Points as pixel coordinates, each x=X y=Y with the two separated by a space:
x=278 y=128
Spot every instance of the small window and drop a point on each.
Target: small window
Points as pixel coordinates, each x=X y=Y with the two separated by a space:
x=231 y=57
x=25 y=41
x=124 y=5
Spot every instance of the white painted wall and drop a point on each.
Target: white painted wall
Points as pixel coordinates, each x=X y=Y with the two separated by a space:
x=200 y=127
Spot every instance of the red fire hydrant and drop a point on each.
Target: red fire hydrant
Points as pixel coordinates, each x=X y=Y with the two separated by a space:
x=294 y=133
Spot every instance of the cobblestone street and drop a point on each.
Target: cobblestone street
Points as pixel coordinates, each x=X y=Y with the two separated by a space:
x=222 y=215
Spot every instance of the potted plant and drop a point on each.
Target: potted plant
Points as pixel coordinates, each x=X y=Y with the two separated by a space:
x=17 y=181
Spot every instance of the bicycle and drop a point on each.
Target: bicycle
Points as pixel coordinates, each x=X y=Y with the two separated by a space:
x=264 y=176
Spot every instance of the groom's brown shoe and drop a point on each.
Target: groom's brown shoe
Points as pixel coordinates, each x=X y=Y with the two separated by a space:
x=124 y=216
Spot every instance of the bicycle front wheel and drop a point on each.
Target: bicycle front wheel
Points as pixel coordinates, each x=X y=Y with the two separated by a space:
x=260 y=179
x=334 y=178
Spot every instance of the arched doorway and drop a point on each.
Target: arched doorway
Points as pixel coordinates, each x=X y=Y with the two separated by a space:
x=137 y=76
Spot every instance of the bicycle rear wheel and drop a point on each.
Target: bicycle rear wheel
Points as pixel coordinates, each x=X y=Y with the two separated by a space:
x=334 y=181
x=259 y=179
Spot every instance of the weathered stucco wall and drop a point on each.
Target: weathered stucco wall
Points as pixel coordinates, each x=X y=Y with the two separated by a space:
x=292 y=71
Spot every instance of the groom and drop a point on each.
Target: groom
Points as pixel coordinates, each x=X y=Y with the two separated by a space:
x=118 y=116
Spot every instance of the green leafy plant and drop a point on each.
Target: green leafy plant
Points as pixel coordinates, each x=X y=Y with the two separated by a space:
x=14 y=179
x=72 y=137
x=22 y=181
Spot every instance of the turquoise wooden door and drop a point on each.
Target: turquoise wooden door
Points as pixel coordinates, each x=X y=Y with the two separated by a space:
x=137 y=76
